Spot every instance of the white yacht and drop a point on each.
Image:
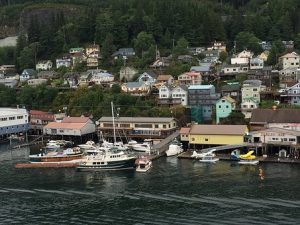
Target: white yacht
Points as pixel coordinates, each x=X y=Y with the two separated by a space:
x=108 y=160
x=89 y=145
x=143 y=164
x=142 y=147
x=175 y=148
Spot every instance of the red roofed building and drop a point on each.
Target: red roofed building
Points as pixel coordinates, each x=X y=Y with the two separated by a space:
x=38 y=119
x=71 y=127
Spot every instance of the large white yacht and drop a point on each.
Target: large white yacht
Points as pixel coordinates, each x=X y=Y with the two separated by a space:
x=142 y=147
x=111 y=159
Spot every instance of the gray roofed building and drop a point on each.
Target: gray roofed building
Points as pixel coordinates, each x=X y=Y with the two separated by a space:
x=124 y=52
x=138 y=119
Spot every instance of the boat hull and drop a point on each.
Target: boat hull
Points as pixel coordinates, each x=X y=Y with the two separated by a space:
x=56 y=158
x=114 y=165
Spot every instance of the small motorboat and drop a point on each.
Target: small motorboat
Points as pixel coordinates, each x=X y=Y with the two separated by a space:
x=89 y=145
x=209 y=158
x=175 y=148
x=143 y=164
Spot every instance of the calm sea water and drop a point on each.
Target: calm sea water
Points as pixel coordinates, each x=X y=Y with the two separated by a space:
x=173 y=192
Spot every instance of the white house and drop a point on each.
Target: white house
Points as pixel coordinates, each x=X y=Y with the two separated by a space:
x=101 y=76
x=289 y=60
x=169 y=95
x=127 y=73
x=148 y=77
x=242 y=57
x=136 y=88
x=28 y=74
x=44 y=65
x=247 y=106
x=35 y=82
x=256 y=64
x=67 y=62
x=190 y=78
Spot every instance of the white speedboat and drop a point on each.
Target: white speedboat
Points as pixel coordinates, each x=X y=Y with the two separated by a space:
x=209 y=159
x=142 y=147
x=248 y=162
x=175 y=148
x=108 y=160
x=143 y=165
x=89 y=145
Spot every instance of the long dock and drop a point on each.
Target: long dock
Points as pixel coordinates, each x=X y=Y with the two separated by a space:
x=224 y=157
x=66 y=164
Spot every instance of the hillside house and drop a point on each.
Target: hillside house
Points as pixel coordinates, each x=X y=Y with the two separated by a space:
x=289 y=60
x=44 y=65
x=170 y=96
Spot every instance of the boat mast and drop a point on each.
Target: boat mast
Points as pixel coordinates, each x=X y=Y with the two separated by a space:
x=113 y=120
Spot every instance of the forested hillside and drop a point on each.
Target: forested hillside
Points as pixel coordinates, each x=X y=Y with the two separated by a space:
x=119 y=22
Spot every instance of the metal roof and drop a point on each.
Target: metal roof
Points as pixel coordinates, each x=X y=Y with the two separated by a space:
x=137 y=119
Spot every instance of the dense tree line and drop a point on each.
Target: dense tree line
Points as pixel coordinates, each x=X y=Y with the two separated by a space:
x=117 y=23
x=84 y=101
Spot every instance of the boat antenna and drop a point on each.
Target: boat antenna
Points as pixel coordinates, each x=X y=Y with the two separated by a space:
x=113 y=120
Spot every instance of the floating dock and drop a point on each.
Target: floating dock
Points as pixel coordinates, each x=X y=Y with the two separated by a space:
x=270 y=159
x=65 y=164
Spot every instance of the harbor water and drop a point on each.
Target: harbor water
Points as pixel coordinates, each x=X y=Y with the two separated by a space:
x=174 y=191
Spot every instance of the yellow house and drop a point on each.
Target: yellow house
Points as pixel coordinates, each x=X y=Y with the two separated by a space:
x=217 y=134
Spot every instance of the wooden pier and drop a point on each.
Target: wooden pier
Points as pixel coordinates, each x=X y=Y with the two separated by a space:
x=226 y=157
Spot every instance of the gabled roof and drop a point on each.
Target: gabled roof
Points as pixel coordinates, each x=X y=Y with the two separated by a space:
x=255 y=83
x=200 y=87
x=134 y=84
x=219 y=129
x=75 y=120
x=31 y=72
x=231 y=87
x=265 y=116
x=184 y=130
x=227 y=98
x=204 y=68
x=290 y=55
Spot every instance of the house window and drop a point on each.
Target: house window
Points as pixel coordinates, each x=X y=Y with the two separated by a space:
x=206 y=139
x=227 y=106
x=164 y=126
x=156 y=126
x=193 y=139
x=219 y=107
x=292 y=139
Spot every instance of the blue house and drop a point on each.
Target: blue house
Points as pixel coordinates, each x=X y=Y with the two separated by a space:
x=224 y=107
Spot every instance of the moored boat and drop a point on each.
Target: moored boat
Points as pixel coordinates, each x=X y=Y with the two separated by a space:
x=57 y=156
x=175 y=148
x=108 y=160
x=143 y=164
x=142 y=147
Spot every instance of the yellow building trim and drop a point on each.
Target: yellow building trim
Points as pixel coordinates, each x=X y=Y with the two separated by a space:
x=216 y=139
